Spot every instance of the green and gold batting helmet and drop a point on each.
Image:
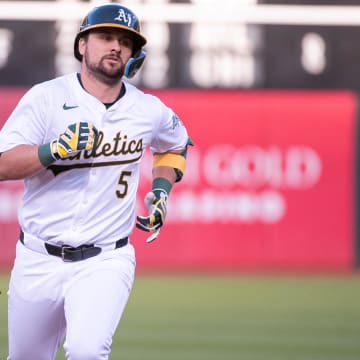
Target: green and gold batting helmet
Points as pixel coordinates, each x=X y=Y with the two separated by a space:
x=117 y=17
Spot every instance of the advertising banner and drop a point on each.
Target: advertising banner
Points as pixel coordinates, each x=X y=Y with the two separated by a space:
x=269 y=184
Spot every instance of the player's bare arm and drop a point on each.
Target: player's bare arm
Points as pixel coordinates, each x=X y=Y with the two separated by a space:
x=25 y=160
x=19 y=162
x=165 y=172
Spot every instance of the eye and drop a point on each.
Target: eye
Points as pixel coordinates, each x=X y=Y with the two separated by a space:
x=126 y=42
x=107 y=37
x=104 y=36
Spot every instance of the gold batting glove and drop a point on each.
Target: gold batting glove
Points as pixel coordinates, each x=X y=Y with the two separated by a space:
x=77 y=137
x=156 y=203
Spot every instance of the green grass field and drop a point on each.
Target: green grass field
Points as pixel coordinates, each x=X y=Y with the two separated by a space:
x=234 y=318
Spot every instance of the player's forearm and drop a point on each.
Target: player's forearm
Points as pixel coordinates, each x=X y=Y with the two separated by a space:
x=19 y=162
x=165 y=172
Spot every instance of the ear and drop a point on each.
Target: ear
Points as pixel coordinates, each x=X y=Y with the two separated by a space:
x=82 y=46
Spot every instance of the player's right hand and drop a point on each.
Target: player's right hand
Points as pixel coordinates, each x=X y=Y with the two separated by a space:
x=77 y=137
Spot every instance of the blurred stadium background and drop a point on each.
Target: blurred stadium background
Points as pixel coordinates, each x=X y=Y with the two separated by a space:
x=262 y=243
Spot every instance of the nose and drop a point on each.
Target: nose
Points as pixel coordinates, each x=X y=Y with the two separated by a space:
x=115 y=46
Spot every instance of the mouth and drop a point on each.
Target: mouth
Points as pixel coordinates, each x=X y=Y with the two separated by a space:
x=112 y=58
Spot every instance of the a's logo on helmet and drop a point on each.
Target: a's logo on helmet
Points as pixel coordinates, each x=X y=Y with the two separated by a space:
x=124 y=17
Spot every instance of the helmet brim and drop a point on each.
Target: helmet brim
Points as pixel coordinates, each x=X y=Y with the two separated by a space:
x=139 y=40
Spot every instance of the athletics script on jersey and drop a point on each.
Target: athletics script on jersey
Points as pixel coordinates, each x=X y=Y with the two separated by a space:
x=130 y=150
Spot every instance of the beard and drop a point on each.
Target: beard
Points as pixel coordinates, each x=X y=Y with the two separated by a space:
x=109 y=74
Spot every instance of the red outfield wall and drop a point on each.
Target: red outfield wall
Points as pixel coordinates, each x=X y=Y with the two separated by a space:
x=270 y=184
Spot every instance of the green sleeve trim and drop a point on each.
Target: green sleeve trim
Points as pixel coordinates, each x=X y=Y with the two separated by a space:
x=178 y=172
x=45 y=155
x=161 y=184
x=189 y=142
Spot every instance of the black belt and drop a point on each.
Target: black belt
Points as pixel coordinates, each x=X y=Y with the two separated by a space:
x=69 y=253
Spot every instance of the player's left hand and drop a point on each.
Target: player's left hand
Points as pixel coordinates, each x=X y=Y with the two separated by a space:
x=156 y=205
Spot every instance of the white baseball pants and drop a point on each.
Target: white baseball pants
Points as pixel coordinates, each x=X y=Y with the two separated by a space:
x=82 y=301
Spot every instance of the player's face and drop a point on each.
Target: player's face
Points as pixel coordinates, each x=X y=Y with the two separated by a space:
x=105 y=53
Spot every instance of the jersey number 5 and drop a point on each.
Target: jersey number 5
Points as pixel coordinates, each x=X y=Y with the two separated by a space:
x=121 y=193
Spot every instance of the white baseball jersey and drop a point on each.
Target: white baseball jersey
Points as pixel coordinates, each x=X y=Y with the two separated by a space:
x=90 y=198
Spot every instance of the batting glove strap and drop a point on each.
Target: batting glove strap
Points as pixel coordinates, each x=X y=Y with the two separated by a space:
x=46 y=154
x=157 y=212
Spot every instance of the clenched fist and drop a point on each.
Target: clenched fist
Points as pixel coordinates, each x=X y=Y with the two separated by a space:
x=77 y=137
x=156 y=204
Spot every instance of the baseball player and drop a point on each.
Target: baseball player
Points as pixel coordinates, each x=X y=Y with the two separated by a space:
x=77 y=141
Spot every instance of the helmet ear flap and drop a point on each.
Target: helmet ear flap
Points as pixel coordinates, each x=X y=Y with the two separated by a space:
x=134 y=64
